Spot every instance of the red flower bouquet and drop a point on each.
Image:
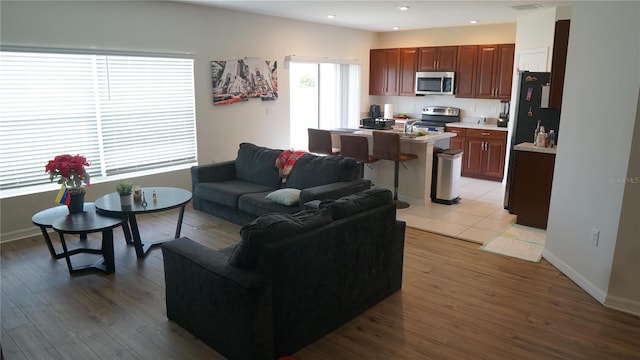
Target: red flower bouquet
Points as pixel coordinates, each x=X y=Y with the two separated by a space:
x=71 y=170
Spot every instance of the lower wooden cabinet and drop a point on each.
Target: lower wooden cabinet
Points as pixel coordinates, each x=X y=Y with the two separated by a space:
x=484 y=154
x=457 y=142
x=484 y=151
x=530 y=192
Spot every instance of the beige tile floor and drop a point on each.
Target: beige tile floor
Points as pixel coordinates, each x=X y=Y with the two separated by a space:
x=477 y=217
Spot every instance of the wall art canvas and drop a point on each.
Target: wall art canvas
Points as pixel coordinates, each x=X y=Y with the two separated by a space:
x=243 y=79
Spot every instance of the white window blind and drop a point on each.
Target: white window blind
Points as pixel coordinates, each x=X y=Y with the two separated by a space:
x=124 y=113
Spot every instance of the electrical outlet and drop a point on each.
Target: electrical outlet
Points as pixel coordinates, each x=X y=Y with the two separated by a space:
x=595 y=235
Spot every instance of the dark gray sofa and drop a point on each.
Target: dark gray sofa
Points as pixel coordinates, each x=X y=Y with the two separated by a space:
x=235 y=190
x=292 y=278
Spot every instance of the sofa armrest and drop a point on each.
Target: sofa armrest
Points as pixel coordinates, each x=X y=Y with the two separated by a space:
x=334 y=190
x=225 y=306
x=221 y=171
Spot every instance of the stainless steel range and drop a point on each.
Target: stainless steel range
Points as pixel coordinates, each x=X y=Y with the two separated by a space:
x=434 y=118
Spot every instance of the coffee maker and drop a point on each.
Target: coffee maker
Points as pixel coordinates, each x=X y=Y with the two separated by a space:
x=374 y=111
x=503 y=118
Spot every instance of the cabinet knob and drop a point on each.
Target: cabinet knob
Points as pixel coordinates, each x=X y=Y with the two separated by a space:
x=485 y=134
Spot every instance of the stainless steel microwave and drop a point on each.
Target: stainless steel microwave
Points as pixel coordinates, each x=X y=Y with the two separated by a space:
x=435 y=83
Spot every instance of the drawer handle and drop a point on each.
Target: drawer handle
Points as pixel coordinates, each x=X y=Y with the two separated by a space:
x=485 y=134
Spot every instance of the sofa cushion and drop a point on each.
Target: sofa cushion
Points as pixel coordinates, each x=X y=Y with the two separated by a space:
x=257 y=204
x=228 y=192
x=271 y=227
x=257 y=164
x=351 y=204
x=288 y=196
x=311 y=170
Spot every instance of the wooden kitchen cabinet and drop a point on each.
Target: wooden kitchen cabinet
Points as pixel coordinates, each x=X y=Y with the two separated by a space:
x=558 y=63
x=442 y=58
x=384 y=68
x=484 y=154
x=530 y=192
x=457 y=142
x=495 y=71
x=466 y=72
x=407 y=77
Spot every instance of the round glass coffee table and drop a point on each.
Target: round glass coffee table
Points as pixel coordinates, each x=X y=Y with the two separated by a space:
x=166 y=198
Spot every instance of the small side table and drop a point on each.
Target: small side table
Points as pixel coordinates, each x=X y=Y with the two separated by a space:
x=45 y=218
x=82 y=224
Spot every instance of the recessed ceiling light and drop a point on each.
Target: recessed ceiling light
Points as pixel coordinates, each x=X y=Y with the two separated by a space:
x=474 y=21
x=403 y=8
x=331 y=16
x=396 y=28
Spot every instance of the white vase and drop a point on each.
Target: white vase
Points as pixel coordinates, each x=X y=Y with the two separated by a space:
x=125 y=200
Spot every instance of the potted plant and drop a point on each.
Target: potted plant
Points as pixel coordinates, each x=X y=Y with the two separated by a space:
x=72 y=175
x=125 y=189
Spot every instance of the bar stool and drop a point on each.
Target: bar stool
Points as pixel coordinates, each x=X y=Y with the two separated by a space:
x=357 y=147
x=386 y=146
x=320 y=142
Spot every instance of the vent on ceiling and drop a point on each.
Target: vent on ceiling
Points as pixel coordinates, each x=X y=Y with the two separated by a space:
x=527 y=6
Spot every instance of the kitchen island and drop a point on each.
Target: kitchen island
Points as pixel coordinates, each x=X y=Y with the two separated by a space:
x=415 y=176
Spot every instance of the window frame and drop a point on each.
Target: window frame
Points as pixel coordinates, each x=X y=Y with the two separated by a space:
x=105 y=175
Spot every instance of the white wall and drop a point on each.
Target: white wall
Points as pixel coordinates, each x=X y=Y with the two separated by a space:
x=598 y=115
x=624 y=288
x=206 y=33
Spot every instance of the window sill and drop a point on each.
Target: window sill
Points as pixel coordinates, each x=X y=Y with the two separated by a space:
x=30 y=190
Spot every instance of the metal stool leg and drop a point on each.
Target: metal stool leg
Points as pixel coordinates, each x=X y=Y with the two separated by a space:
x=396 y=177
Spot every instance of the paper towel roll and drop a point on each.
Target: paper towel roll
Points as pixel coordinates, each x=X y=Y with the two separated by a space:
x=388 y=111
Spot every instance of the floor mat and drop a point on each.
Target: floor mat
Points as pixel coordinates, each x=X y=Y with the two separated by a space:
x=518 y=241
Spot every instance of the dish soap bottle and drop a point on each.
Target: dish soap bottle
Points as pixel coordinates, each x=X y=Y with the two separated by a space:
x=552 y=138
x=535 y=134
x=541 y=140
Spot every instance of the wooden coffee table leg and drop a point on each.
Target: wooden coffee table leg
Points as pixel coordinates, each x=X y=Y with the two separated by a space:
x=65 y=253
x=107 y=251
x=135 y=232
x=179 y=225
x=127 y=232
x=47 y=240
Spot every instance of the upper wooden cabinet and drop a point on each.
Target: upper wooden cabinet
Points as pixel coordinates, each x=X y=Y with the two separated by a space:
x=384 y=67
x=482 y=71
x=441 y=58
x=558 y=62
x=467 y=71
x=392 y=71
x=407 y=77
x=495 y=71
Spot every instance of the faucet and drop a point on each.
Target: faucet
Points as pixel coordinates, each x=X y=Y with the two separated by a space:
x=409 y=124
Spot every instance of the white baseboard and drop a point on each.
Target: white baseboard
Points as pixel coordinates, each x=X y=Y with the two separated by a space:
x=585 y=284
x=19 y=234
x=622 y=304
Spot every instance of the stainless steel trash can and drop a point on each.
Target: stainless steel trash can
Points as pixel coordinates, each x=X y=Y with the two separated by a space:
x=448 y=176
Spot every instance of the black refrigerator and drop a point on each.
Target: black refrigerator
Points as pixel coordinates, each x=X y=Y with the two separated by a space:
x=531 y=106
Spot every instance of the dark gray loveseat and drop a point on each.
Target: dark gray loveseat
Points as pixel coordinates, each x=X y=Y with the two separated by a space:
x=235 y=190
x=292 y=278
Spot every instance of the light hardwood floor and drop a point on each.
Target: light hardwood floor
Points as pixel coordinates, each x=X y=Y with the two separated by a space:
x=456 y=302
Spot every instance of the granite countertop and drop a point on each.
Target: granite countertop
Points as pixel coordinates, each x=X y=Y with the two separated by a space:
x=429 y=138
x=469 y=125
x=526 y=146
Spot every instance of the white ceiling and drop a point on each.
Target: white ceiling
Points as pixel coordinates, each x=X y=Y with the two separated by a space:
x=382 y=16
